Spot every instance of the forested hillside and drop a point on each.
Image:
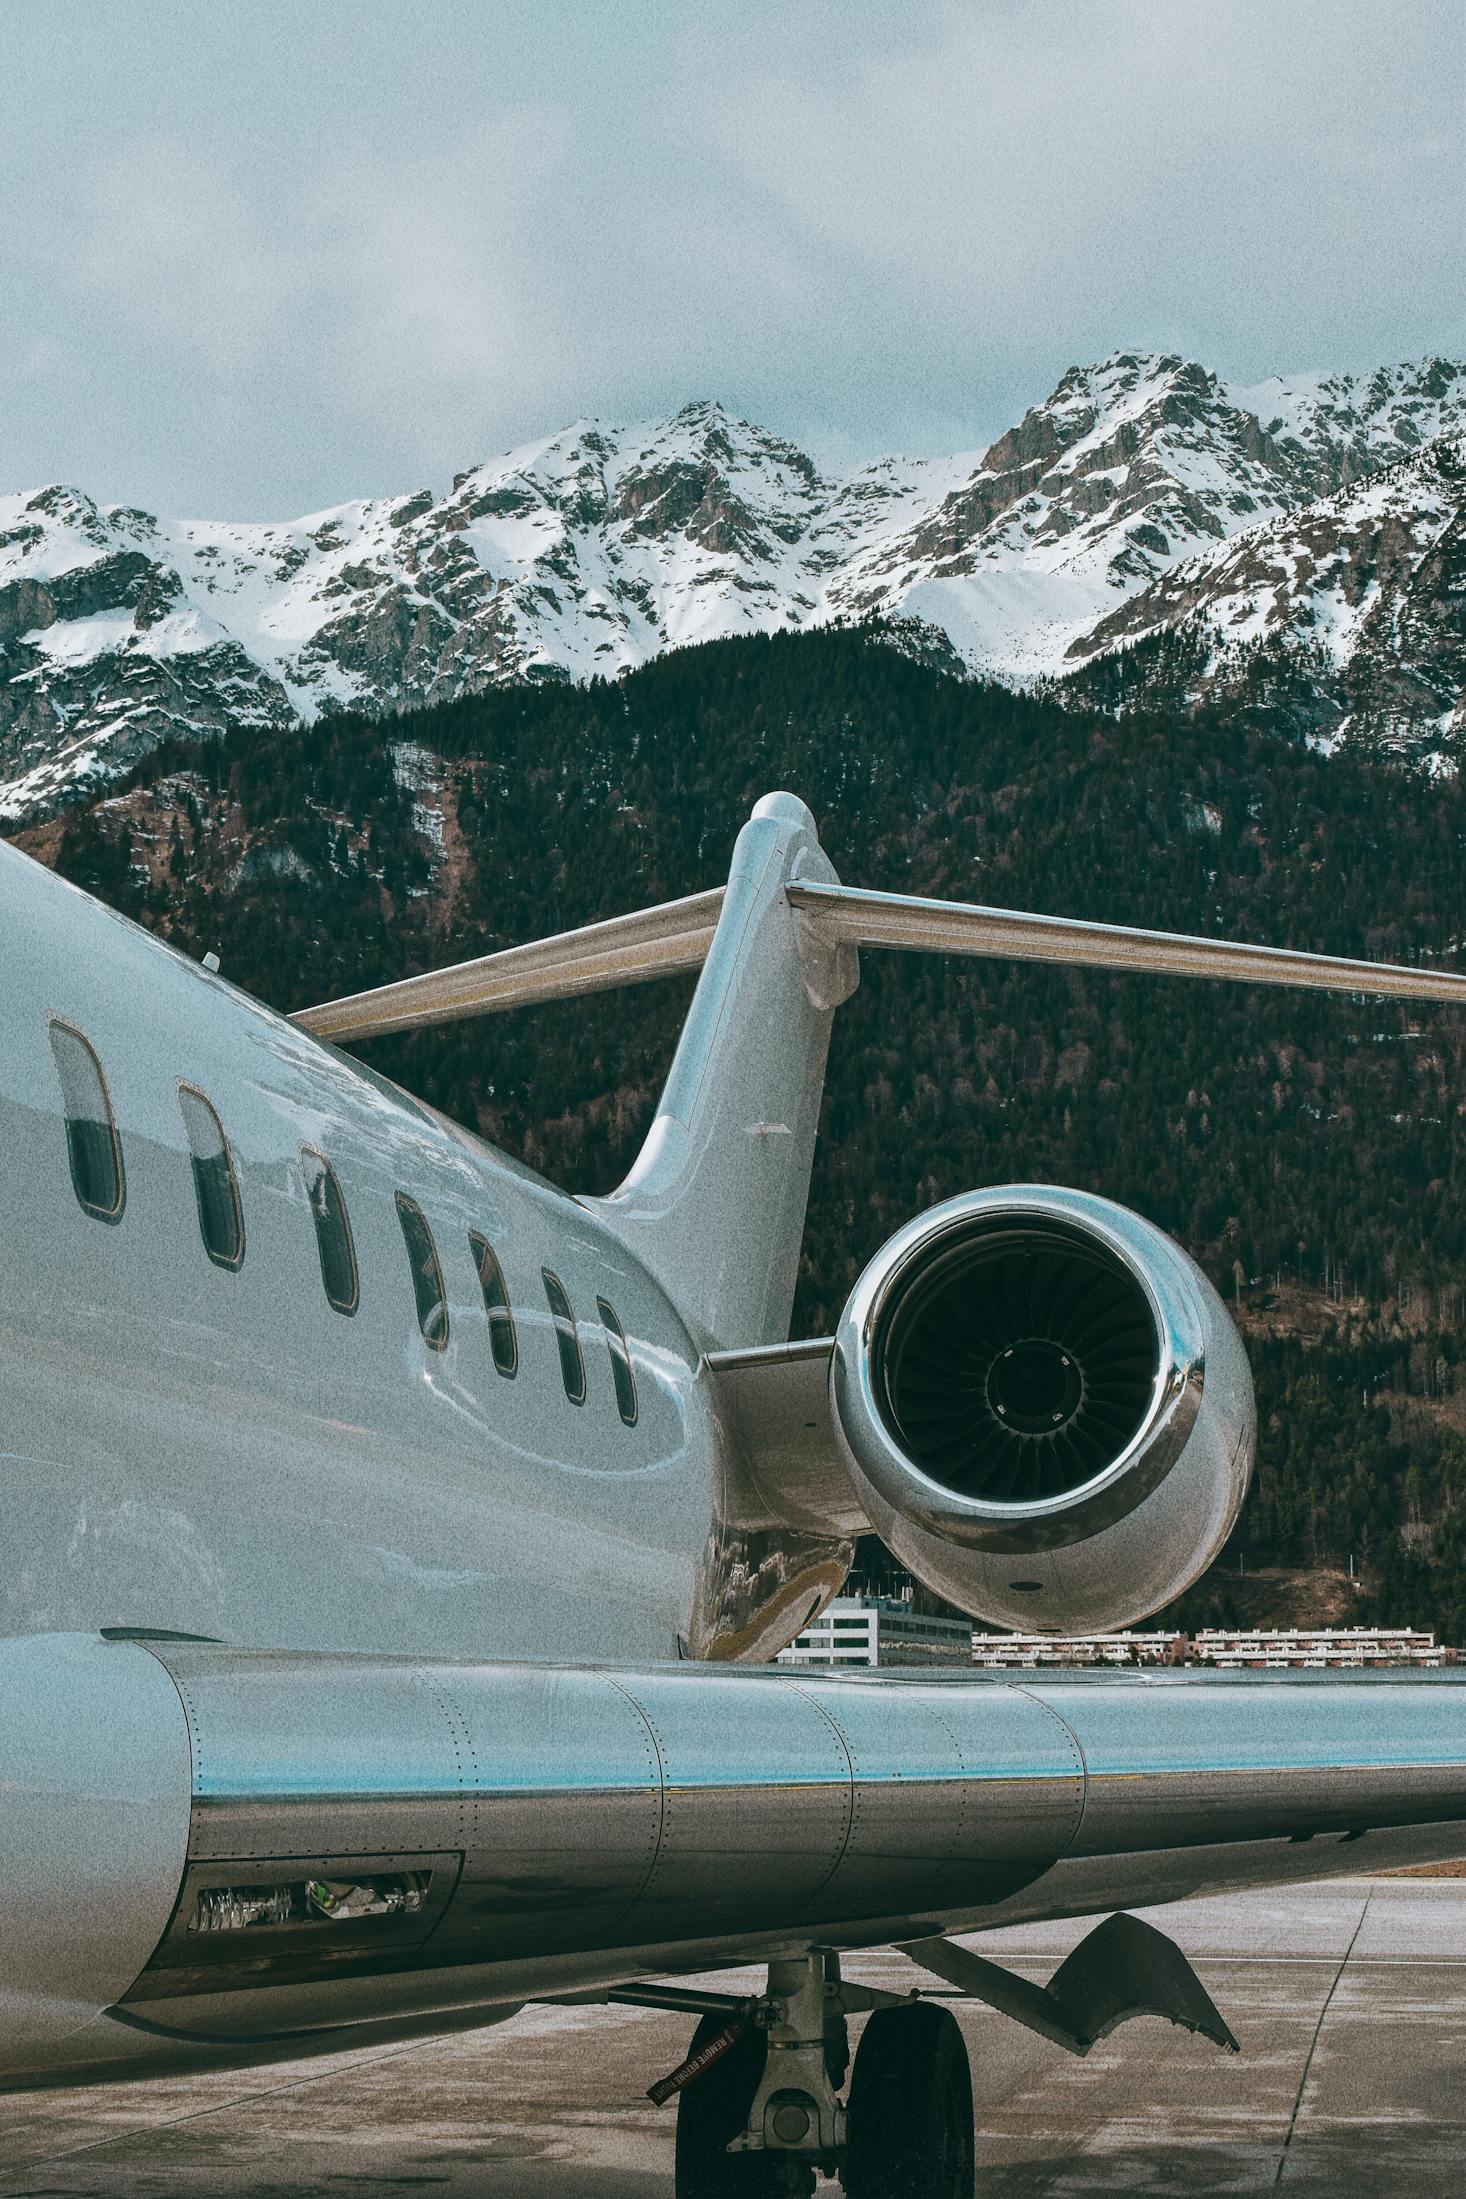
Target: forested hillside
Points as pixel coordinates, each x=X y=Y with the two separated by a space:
x=1309 y=1149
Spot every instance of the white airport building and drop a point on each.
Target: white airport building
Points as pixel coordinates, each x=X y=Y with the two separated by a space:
x=1225 y=1648
x=879 y=1630
x=1340 y=1647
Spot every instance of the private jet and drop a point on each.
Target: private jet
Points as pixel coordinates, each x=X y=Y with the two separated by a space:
x=397 y=1547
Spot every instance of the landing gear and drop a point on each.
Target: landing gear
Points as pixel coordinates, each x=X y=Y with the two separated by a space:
x=770 y=2116
x=909 y=2132
x=761 y=2115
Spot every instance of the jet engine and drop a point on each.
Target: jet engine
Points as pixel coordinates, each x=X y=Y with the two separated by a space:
x=1044 y=1407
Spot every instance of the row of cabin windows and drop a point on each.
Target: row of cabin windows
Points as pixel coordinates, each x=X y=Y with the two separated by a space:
x=97 y=1174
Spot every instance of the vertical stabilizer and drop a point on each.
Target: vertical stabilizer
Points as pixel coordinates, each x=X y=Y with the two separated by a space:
x=715 y=1203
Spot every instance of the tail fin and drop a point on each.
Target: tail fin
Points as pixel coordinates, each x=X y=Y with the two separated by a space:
x=714 y=1205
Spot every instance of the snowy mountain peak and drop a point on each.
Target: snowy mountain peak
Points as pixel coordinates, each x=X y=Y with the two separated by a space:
x=594 y=548
x=1348 y=425
x=1348 y=613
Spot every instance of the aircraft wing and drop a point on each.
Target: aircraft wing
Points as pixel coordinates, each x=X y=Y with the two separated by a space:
x=247 y=1836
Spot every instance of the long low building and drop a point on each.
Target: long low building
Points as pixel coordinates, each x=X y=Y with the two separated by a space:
x=1339 y=1647
x=1028 y=1651
x=864 y=1629
x=1229 y=1649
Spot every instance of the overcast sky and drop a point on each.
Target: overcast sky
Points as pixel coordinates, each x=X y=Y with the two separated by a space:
x=263 y=257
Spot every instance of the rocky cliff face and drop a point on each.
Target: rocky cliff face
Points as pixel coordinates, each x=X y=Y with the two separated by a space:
x=1345 y=619
x=599 y=547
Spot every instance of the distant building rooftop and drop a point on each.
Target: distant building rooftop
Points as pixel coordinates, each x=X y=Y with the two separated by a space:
x=879 y=1630
x=1337 y=1646
x=1228 y=1649
x=1031 y=1650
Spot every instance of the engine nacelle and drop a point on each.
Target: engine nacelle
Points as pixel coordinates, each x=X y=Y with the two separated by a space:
x=1045 y=1408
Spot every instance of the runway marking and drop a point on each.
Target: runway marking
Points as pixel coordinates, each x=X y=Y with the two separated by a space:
x=1317 y=2034
x=1314 y=1962
x=223 y=2107
x=1039 y=1964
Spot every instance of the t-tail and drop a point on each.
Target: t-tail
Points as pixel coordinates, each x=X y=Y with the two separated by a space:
x=1035 y=1397
x=714 y=1205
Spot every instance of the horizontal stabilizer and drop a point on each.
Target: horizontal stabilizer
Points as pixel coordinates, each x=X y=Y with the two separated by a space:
x=1123 y=1968
x=676 y=936
x=624 y=950
x=858 y=918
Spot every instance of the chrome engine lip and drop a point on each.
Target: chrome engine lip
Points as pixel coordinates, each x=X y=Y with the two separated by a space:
x=1046 y=1522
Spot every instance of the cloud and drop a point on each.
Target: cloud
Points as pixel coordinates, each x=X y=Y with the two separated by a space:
x=265 y=262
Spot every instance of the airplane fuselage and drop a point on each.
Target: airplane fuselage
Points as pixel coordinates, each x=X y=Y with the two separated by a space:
x=217 y=1449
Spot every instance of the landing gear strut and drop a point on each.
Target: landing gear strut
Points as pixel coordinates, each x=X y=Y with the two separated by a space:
x=713 y=2111
x=761 y=2116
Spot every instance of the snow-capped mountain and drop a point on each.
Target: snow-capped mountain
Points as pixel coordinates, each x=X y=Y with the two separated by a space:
x=1346 y=616
x=599 y=547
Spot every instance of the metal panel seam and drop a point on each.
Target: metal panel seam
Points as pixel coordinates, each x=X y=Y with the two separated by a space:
x=195 y=1741
x=461 y=1735
x=659 y=1760
x=1080 y=1764
x=195 y=1759
x=852 y=1812
x=964 y=1782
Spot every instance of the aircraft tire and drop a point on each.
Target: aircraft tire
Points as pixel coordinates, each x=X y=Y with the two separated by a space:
x=712 y=2112
x=910 y=2134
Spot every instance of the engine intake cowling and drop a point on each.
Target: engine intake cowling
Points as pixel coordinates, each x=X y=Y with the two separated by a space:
x=1045 y=1408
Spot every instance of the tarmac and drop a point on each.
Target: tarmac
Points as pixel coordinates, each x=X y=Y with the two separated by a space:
x=1349 y=2000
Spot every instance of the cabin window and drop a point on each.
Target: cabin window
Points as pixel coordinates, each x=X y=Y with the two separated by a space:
x=333 y=1231
x=92 y=1145
x=215 y=1186
x=572 y=1365
x=427 y=1276
x=502 y=1341
x=621 y=1370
